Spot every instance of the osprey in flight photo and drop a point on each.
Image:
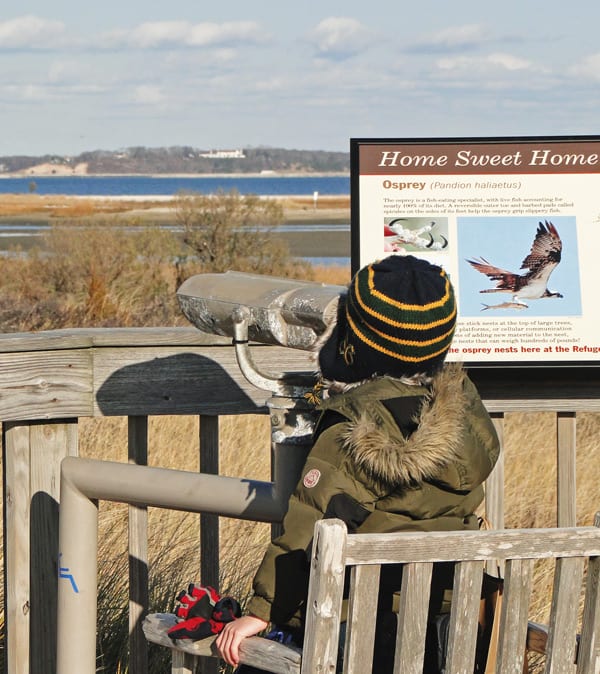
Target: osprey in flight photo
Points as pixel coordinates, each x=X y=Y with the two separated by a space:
x=543 y=258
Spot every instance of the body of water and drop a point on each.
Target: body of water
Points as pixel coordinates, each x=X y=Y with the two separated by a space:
x=170 y=185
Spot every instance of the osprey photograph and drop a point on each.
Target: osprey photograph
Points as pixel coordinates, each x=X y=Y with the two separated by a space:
x=415 y=235
x=520 y=265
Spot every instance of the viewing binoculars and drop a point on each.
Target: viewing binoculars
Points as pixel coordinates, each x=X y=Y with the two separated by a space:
x=277 y=310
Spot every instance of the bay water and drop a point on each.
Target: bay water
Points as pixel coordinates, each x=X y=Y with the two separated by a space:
x=138 y=185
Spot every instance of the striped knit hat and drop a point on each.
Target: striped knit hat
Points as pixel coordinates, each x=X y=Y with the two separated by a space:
x=397 y=318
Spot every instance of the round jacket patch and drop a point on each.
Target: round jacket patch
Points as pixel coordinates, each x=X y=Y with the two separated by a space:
x=311 y=478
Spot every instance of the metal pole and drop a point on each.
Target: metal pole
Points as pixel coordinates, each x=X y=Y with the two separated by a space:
x=83 y=483
x=77 y=581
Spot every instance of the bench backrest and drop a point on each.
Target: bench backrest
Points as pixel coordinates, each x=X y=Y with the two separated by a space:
x=576 y=554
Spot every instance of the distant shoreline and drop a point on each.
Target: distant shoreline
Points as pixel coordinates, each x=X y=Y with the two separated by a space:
x=260 y=174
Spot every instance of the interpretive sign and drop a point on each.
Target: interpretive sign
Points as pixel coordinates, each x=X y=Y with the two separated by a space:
x=514 y=221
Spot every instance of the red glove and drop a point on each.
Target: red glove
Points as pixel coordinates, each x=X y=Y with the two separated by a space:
x=202 y=613
x=197 y=601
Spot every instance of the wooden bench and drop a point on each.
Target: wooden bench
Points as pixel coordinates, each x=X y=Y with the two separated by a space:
x=575 y=552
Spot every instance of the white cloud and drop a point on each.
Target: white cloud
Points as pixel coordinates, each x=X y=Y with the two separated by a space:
x=147 y=94
x=589 y=67
x=509 y=62
x=30 y=32
x=43 y=94
x=173 y=34
x=453 y=38
x=495 y=61
x=340 y=37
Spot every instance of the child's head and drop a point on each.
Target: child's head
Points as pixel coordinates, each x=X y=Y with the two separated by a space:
x=397 y=318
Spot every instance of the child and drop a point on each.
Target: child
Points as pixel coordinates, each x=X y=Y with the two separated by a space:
x=403 y=442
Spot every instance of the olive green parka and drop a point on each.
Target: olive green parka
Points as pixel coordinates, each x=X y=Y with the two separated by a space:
x=388 y=456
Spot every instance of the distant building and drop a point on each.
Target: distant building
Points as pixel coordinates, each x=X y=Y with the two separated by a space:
x=223 y=154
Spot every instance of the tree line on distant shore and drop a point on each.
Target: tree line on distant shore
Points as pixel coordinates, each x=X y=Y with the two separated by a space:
x=187 y=159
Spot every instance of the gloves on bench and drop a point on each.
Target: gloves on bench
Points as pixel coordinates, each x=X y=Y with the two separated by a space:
x=202 y=612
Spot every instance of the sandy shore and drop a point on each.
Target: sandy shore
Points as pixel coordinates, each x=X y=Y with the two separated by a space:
x=39 y=210
x=14 y=207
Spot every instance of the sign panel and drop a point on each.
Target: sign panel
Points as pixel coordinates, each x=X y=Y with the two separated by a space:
x=516 y=224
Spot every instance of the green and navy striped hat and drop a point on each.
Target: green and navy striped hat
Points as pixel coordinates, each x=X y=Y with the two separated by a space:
x=397 y=318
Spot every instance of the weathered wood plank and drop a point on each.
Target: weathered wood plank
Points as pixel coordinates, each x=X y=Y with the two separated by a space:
x=197 y=380
x=494 y=485
x=513 y=620
x=255 y=651
x=85 y=338
x=324 y=601
x=209 y=524
x=49 y=444
x=464 y=615
x=565 y=469
x=16 y=546
x=182 y=663
x=589 y=647
x=440 y=546
x=576 y=403
x=135 y=379
x=32 y=455
x=412 y=618
x=562 y=631
x=360 y=625
x=45 y=385
x=137 y=449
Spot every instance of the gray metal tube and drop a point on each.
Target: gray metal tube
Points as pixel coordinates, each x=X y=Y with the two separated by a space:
x=173 y=489
x=77 y=582
x=83 y=483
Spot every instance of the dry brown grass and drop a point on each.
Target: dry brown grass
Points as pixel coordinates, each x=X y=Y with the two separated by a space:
x=324 y=202
x=70 y=207
x=67 y=207
x=244 y=451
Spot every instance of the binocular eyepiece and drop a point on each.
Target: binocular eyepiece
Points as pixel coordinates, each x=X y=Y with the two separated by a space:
x=279 y=311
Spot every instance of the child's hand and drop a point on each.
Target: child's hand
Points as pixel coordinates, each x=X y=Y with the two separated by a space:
x=229 y=640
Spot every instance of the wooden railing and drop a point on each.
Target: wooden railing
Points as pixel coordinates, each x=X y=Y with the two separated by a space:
x=50 y=380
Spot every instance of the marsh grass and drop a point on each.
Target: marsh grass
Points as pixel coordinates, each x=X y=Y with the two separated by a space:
x=244 y=451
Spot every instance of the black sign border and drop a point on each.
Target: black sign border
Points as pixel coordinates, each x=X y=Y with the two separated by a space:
x=570 y=369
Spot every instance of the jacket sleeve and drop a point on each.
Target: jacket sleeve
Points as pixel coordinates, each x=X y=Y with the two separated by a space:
x=325 y=490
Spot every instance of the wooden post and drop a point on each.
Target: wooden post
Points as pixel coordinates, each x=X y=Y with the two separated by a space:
x=15 y=445
x=209 y=524
x=138 y=552
x=32 y=452
x=494 y=486
x=324 y=597
x=589 y=648
x=565 y=472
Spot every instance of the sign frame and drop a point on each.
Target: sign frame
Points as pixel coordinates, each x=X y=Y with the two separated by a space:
x=502 y=182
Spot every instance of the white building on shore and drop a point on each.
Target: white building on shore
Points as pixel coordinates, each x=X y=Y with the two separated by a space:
x=223 y=154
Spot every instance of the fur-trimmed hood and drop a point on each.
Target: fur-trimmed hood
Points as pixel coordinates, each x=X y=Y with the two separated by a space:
x=376 y=444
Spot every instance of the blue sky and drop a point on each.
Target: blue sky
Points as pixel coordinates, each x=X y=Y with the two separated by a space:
x=78 y=76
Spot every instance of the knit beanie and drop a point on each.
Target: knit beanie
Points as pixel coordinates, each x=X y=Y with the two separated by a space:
x=397 y=318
